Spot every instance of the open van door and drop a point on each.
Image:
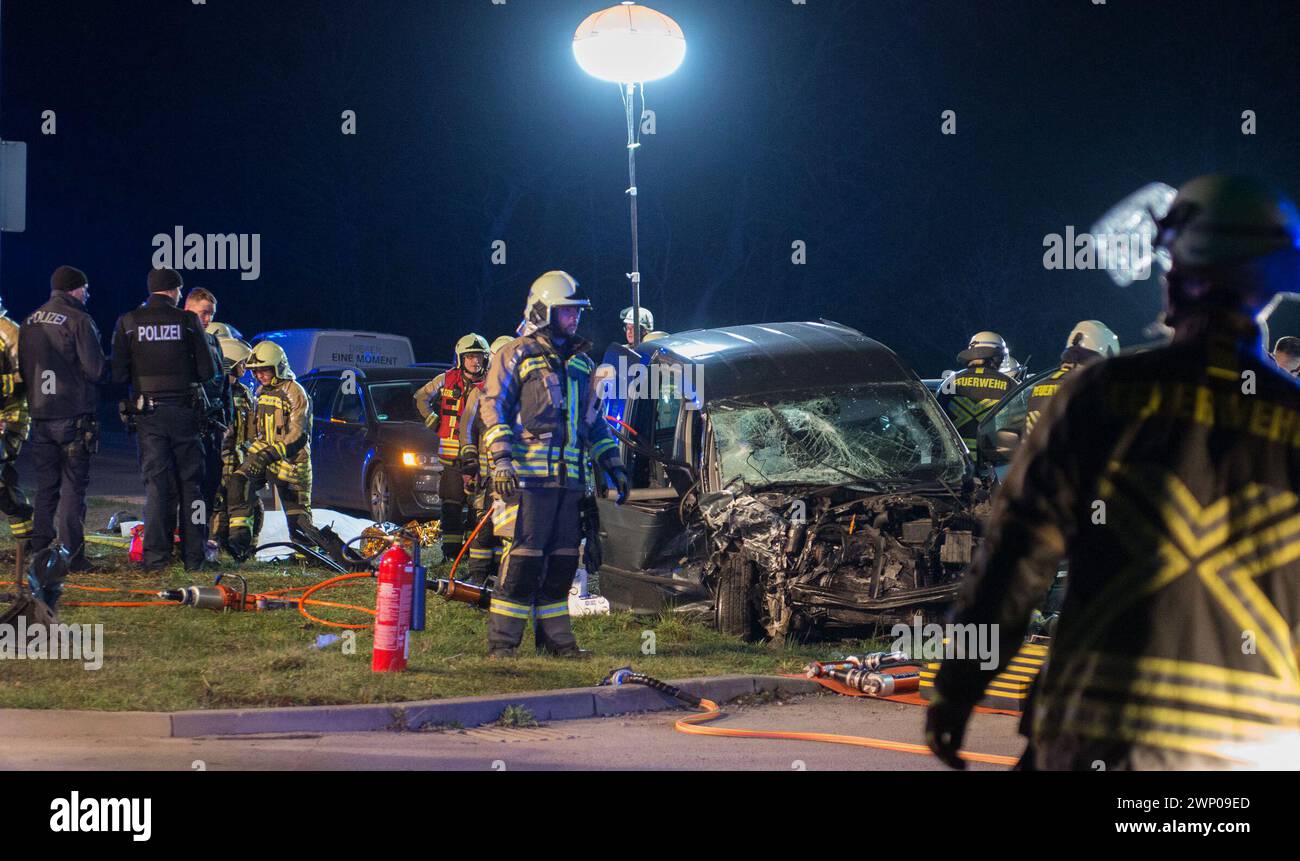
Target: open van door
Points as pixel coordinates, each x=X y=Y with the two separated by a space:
x=643 y=539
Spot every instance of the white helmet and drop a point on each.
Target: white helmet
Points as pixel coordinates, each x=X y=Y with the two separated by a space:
x=647 y=318
x=555 y=289
x=1094 y=335
x=988 y=339
x=268 y=354
x=499 y=343
x=233 y=351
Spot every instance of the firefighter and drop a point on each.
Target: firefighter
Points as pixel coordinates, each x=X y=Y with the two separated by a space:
x=441 y=402
x=279 y=456
x=163 y=353
x=971 y=394
x=1168 y=481
x=238 y=436
x=15 y=422
x=647 y=324
x=491 y=545
x=218 y=410
x=60 y=355
x=543 y=425
x=1089 y=341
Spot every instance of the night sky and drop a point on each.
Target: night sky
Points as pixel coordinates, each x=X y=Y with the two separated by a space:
x=817 y=122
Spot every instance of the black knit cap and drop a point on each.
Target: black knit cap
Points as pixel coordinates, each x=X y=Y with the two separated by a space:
x=164 y=280
x=67 y=279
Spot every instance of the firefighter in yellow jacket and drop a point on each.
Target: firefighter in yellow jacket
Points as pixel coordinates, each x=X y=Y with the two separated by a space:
x=1169 y=481
x=441 y=402
x=971 y=394
x=15 y=421
x=1089 y=341
x=239 y=433
x=279 y=456
x=544 y=427
x=491 y=545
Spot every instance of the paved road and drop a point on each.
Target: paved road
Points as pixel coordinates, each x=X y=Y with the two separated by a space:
x=630 y=742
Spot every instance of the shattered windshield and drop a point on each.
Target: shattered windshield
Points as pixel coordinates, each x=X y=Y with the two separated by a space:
x=876 y=432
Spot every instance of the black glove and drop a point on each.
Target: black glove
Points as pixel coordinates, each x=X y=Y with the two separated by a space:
x=505 y=483
x=945 y=727
x=618 y=476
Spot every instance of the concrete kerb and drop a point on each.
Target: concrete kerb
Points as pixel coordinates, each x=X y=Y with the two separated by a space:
x=567 y=704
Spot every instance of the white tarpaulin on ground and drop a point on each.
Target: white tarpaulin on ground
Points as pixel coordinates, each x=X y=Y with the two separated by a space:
x=276 y=528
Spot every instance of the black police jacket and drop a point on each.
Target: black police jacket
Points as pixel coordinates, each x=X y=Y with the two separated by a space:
x=161 y=349
x=61 y=359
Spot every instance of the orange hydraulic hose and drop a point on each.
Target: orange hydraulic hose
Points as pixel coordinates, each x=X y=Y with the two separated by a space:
x=451 y=575
x=690 y=726
x=304 y=601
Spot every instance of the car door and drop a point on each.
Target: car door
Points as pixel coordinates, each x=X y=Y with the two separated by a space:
x=350 y=426
x=322 y=393
x=1001 y=433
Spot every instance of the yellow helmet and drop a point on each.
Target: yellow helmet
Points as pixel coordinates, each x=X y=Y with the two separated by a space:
x=233 y=352
x=269 y=354
x=499 y=343
x=471 y=343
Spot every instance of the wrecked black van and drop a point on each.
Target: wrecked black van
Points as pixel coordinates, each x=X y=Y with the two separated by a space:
x=788 y=478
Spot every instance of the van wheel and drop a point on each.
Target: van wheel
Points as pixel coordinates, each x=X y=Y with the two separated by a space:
x=736 y=613
x=381 y=495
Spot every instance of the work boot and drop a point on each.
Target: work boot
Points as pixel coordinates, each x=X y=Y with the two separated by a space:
x=554 y=633
x=505 y=628
x=241 y=543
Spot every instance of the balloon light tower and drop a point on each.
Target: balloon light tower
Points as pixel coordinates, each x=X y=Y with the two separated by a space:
x=629 y=45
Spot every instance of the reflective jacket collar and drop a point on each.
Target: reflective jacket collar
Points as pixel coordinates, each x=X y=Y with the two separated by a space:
x=571 y=347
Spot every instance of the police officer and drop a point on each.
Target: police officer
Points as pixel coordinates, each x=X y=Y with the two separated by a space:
x=1089 y=341
x=218 y=409
x=15 y=423
x=647 y=324
x=161 y=350
x=441 y=402
x=543 y=425
x=1168 y=480
x=491 y=543
x=62 y=362
x=971 y=394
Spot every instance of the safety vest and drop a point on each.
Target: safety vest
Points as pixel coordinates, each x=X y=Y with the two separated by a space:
x=451 y=403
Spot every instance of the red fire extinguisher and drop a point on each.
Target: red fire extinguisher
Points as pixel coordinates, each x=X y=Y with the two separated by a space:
x=393 y=611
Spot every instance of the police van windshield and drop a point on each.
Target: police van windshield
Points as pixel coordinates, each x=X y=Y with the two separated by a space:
x=395 y=401
x=876 y=432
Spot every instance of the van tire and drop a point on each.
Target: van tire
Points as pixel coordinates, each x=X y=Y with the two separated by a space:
x=736 y=612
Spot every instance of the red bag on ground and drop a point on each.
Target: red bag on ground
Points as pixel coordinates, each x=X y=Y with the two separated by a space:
x=137 y=543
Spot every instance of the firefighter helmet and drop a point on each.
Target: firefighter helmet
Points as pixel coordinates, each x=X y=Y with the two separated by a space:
x=269 y=354
x=1219 y=220
x=499 y=343
x=1094 y=335
x=647 y=318
x=986 y=347
x=555 y=289
x=223 y=330
x=471 y=344
x=233 y=351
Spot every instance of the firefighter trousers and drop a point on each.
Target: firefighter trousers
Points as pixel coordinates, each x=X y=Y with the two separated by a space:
x=451 y=490
x=13 y=503
x=538 y=573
